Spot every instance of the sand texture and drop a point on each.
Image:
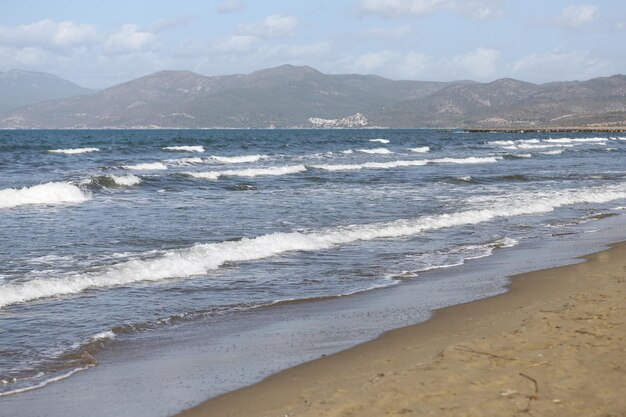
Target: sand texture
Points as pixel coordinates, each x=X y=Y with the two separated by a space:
x=553 y=346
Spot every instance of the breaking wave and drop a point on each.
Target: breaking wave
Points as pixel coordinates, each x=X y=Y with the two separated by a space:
x=251 y=172
x=74 y=151
x=577 y=140
x=420 y=149
x=379 y=151
x=193 y=148
x=116 y=180
x=369 y=165
x=147 y=166
x=201 y=258
x=406 y=163
x=385 y=141
x=236 y=159
x=51 y=193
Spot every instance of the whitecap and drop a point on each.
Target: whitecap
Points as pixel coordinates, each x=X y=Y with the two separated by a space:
x=468 y=160
x=385 y=141
x=147 y=166
x=201 y=258
x=74 y=151
x=380 y=151
x=369 y=165
x=251 y=172
x=577 y=140
x=239 y=159
x=185 y=161
x=51 y=193
x=188 y=148
x=420 y=149
x=125 y=180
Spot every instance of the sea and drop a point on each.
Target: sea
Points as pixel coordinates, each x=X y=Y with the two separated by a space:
x=126 y=240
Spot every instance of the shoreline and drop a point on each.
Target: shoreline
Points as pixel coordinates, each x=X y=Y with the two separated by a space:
x=572 y=129
x=535 y=347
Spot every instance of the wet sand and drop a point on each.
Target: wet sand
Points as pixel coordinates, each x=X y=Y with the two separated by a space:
x=553 y=345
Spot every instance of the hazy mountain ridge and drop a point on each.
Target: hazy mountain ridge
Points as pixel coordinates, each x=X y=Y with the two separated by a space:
x=22 y=88
x=290 y=96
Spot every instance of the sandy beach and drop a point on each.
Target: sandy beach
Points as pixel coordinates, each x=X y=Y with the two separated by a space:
x=551 y=346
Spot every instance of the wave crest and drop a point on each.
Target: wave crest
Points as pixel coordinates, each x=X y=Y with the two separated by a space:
x=201 y=258
x=51 y=193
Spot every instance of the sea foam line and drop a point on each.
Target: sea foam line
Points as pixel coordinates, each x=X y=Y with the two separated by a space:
x=125 y=180
x=407 y=163
x=52 y=193
x=379 y=151
x=147 y=166
x=250 y=172
x=186 y=148
x=239 y=159
x=201 y=258
x=74 y=151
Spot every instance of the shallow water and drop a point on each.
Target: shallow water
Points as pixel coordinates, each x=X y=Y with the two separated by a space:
x=107 y=235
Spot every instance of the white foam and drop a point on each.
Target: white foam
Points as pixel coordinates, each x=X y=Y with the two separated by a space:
x=236 y=159
x=185 y=161
x=190 y=148
x=51 y=193
x=468 y=160
x=465 y=178
x=543 y=146
x=385 y=141
x=381 y=151
x=201 y=258
x=147 y=166
x=347 y=151
x=126 y=180
x=46 y=382
x=406 y=163
x=251 y=172
x=74 y=151
x=577 y=140
x=109 y=334
x=501 y=143
x=369 y=165
x=467 y=253
x=420 y=149
x=553 y=152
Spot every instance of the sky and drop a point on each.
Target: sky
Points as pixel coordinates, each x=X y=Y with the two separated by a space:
x=101 y=43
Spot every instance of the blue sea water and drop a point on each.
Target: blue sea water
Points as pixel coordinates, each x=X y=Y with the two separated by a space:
x=106 y=235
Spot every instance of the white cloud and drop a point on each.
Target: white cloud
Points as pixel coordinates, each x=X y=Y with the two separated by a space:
x=569 y=65
x=128 y=38
x=476 y=9
x=481 y=63
x=387 y=33
x=49 y=34
x=273 y=26
x=236 y=45
x=400 y=7
x=575 y=17
x=305 y=52
x=230 y=6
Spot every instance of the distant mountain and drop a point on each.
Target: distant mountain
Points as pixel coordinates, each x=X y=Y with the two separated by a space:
x=510 y=103
x=291 y=96
x=23 y=88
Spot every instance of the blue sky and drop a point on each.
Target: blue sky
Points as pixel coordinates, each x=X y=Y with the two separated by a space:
x=98 y=44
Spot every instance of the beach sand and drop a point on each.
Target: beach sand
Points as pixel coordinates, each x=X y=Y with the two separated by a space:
x=554 y=345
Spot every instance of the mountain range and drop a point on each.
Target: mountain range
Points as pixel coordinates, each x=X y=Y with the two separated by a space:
x=300 y=96
x=22 y=88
